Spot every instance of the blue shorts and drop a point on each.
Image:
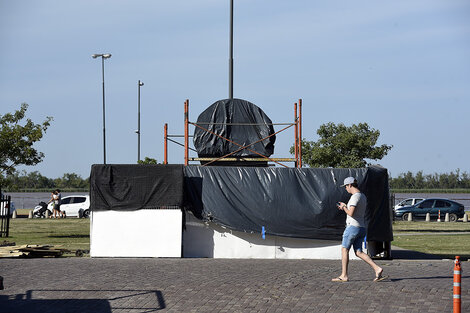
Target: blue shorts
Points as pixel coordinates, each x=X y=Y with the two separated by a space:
x=353 y=236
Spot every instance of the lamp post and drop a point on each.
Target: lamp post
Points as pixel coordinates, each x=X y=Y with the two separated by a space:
x=140 y=84
x=103 y=57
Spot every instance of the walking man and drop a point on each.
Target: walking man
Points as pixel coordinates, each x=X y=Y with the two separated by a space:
x=355 y=231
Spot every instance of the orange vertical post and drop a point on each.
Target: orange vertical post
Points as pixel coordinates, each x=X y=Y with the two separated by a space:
x=296 y=144
x=165 y=150
x=300 y=132
x=186 y=132
x=457 y=281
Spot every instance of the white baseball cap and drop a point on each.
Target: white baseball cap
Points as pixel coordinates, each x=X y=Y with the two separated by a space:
x=349 y=181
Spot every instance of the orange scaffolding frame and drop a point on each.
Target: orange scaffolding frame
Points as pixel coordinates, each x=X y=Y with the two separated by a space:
x=297 y=140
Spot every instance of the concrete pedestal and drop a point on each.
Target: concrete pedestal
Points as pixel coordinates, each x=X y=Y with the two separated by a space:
x=141 y=233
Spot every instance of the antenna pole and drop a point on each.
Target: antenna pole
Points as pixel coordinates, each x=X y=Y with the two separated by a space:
x=230 y=78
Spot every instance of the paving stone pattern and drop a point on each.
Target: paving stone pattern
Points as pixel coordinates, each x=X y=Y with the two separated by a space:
x=225 y=285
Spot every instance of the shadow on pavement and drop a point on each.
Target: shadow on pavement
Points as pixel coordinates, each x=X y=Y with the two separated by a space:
x=122 y=300
x=54 y=305
x=403 y=254
x=425 y=278
x=413 y=255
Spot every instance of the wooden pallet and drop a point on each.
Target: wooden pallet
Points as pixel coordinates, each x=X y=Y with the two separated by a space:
x=31 y=251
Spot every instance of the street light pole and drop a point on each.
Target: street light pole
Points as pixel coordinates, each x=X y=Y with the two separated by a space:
x=140 y=84
x=103 y=57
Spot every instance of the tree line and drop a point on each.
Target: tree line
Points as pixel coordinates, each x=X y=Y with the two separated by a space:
x=452 y=180
x=22 y=181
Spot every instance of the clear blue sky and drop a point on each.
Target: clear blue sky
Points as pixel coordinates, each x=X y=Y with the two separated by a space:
x=403 y=67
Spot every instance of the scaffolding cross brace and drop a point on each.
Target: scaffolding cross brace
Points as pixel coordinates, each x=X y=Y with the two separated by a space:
x=297 y=140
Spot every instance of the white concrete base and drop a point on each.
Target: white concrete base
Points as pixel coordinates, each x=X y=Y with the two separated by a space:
x=141 y=233
x=212 y=241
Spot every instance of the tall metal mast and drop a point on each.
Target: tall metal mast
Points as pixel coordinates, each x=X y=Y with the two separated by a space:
x=230 y=79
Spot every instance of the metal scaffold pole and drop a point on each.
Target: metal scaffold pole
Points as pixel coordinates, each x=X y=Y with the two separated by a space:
x=165 y=150
x=186 y=132
x=300 y=133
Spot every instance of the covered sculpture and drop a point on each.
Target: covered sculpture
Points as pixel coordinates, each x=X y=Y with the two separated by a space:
x=240 y=121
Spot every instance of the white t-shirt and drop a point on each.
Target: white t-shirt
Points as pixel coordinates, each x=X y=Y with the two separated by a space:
x=56 y=199
x=360 y=202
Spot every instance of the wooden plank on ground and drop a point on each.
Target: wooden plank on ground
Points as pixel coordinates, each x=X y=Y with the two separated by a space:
x=31 y=251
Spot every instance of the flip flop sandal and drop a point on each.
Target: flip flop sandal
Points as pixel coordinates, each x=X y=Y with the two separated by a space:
x=339 y=279
x=380 y=278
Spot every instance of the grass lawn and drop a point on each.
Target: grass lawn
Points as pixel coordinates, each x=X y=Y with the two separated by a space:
x=425 y=227
x=68 y=233
x=444 y=239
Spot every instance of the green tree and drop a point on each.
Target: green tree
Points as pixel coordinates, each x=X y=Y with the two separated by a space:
x=403 y=181
x=419 y=181
x=17 y=140
x=465 y=180
x=35 y=180
x=343 y=146
x=71 y=180
x=147 y=160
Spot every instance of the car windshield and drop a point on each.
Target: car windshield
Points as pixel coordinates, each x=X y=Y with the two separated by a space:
x=407 y=202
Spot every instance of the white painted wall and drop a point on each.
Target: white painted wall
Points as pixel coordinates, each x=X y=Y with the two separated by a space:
x=158 y=233
x=209 y=240
x=141 y=233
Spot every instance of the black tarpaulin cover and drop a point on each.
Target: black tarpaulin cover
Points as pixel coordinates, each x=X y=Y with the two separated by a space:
x=233 y=111
x=288 y=202
x=135 y=186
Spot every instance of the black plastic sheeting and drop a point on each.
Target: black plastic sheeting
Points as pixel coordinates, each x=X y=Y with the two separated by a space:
x=289 y=202
x=135 y=186
x=215 y=118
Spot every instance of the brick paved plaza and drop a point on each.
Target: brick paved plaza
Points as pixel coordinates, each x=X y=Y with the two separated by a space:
x=225 y=285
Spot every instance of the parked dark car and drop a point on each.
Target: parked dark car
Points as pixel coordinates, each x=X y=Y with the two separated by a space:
x=432 y=206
